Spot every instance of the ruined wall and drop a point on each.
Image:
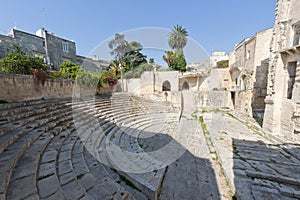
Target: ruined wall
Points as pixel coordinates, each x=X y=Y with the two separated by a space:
x=192 y=83
x=243 y=102
x=212 y=99
x=219 y=79
x=261 y=65
x=171 y=76
x=24 y=87
x=282 y=110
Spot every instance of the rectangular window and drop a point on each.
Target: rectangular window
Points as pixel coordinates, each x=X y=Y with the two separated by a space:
x=296 y=29
x=291 y=79
x=248 y=55
x=65 y=47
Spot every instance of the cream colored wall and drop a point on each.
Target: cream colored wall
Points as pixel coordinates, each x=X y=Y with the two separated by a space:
x=219 y=79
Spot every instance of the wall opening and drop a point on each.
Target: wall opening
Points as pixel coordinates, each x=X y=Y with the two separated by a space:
x=243 y=83
x=166 y=86
x=185 y=86
x=296 y=39
x=233 y=98
x=291 y=78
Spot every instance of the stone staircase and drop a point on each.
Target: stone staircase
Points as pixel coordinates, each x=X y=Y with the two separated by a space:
x=82 y=148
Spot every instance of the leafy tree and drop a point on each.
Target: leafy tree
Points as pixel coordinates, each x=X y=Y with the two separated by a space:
x=135 y=46
x=91 y=79
x=68 y=70
x=178 y=37
x=119 y=46
x=170 y=58
x=17 y=62
x=223 y=64
x=151 y=61
x=175 y=60
x=132 y=60
x=77 y=73
x=115 y=67
x=126 y=53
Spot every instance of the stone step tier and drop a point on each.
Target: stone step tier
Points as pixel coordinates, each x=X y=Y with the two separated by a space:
x=81 y=148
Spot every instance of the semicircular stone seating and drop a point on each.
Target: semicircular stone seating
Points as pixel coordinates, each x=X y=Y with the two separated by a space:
x=85 y=148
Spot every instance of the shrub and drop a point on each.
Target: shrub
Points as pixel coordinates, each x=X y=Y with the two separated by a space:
x=17 y=62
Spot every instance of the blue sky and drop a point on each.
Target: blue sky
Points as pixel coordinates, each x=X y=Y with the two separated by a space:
x=214 y=24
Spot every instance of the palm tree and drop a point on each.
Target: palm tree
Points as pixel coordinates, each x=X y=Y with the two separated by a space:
x=178 y=37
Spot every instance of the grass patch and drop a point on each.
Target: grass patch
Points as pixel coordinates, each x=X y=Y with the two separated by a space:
x=231 y=115
x=194 y=115
x=201 y=119
x=203 y=125
x=273 y=161
x=204 y=111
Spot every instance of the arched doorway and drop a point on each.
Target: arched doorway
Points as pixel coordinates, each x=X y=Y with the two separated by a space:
x=185 y=86
x=166 y=86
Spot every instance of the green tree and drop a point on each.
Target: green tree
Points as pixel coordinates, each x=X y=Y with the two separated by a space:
x=151 y=61
x=115 y=67
x=91 y=79
x=127 y=53
x=119 y=46
x=132 y=60
x=175 y=60
x=223 y=64
x=170 y=58
x=69 y=70
x=17 y=62
x=178 y=37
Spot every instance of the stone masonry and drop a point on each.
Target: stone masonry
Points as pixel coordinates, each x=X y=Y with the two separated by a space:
x=283 y=97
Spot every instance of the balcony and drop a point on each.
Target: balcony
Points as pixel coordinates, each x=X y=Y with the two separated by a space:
x=236 y=65
x=291 y=50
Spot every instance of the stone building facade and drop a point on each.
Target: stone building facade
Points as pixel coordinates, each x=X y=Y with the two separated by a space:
x=282 y=114
x=248 y=65
x=216 y=57
x=53 y=49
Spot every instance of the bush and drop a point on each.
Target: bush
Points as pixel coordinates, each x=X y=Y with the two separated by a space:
x=17 y=62
x=107 y=76
x=223 y=64
x=90 y=79
x=68 y=70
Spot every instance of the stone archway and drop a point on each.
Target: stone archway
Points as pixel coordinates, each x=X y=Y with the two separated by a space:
x=166 y=86
x=185 y=86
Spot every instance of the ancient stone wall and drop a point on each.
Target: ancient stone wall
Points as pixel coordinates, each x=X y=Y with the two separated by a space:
x=24 y=87
x=283 y=98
